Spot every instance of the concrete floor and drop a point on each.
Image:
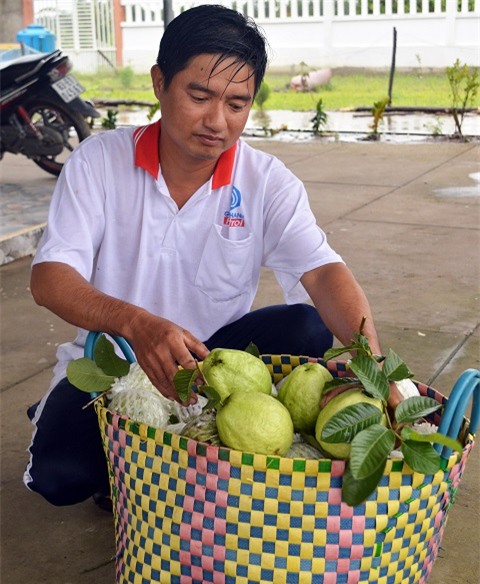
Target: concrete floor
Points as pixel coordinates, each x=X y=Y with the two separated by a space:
x=406 y=220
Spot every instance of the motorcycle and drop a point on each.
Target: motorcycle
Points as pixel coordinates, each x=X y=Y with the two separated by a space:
x=41 y=113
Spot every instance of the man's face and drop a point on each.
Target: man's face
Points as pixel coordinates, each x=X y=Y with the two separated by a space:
x=204 y=112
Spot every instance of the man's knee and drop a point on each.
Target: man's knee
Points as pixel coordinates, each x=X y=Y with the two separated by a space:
x=304 y=315
x=57 y=489
x=309 y=330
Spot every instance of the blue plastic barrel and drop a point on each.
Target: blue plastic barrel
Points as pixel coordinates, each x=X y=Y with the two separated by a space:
x=37 y=37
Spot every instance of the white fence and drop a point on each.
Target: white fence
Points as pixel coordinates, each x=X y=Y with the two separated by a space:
x=83 y=29
x=332 y=33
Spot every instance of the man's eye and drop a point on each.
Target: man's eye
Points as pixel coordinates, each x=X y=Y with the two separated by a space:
x=237 y=107
x=198 y=98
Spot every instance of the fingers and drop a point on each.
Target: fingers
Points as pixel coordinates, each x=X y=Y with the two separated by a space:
x=196 y=346
x=161 y=377
x=161 y=356
x=160 y=347
x=163 y=381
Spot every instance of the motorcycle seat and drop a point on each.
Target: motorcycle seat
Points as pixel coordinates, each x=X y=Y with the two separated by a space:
x=14 y=68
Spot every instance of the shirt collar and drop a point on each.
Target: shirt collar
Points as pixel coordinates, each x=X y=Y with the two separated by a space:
x=146 y=139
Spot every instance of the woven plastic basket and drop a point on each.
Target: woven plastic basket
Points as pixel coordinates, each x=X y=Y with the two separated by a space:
x=188 y=512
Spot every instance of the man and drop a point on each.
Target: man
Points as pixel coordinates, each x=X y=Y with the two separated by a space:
x=158 y=234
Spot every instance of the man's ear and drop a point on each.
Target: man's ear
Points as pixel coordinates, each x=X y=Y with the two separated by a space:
x=157 y=81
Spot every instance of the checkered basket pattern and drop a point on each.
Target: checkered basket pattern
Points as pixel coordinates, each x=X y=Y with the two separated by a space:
x=188 y=512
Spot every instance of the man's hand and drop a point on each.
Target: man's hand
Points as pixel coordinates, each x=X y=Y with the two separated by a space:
x=160 y=347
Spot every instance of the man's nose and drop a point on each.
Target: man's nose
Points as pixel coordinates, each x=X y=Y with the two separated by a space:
x=215 y=117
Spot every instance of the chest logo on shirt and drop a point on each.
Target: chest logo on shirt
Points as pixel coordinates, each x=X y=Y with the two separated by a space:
x=233 y=218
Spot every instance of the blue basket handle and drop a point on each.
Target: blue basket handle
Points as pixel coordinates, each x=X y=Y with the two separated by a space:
x=468 y=384
x=124 y=345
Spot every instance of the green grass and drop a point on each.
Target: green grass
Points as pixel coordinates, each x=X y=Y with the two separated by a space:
x=346 y=90
x=349 y=91
x=106 y=85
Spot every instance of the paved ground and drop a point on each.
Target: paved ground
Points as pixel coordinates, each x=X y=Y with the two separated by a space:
x=405 y=218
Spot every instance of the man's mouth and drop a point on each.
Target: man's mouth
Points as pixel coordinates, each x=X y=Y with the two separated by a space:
x=210 y=140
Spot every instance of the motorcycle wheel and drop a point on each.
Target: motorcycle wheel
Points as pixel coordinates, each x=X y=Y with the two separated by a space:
x=69 y=123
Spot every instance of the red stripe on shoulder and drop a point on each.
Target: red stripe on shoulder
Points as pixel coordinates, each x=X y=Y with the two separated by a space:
x=222 y=175
x=146 y=141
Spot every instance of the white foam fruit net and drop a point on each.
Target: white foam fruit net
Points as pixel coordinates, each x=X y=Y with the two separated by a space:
x=136 y=397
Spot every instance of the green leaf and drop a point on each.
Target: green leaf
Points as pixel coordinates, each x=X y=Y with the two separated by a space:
x=346 y=382
x=183 y=381
x=213 y=396
x=362 y=345
x=336 y=352
x=210 y=405
x=355 y=491
x=421 y=457
x=345 y=424
x=369 y=450
x=409 y=434
x=252 y=349
x=415 y=407
x=394 y=368
x=106 y=358
x=372 y=378
x=86 y=375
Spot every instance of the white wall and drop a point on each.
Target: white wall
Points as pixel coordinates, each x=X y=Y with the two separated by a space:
x=140 y=46
x=332 y=39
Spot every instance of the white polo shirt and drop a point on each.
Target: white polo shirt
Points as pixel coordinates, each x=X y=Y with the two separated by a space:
x=114 y=221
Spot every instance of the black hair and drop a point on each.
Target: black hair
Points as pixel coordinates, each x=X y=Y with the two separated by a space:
x=215 y=30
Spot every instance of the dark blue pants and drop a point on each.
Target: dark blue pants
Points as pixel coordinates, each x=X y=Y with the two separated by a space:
x=67 y=462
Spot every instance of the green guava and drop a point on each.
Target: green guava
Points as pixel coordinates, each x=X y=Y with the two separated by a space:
x=231 y=370
x=341 y=450
x=255 y=422
x=301 y=391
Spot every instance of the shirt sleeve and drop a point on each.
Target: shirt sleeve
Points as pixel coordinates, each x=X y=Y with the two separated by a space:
x=76 y=220
x=293 y=242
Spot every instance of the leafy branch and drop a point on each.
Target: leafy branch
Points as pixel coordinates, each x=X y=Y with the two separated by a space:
x=319 y=120
x=378 y=111
x=464 y=84
x=187 y=380
x=97 y=375
x=373 y=433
